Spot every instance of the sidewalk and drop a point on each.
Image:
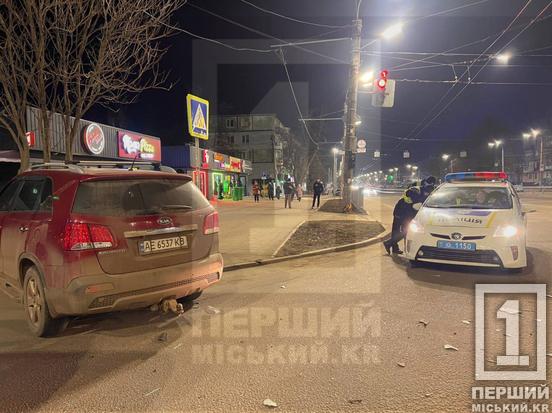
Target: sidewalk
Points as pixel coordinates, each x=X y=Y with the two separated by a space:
x=251 y=231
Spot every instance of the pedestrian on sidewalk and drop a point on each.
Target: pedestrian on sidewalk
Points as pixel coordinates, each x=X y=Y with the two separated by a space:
x=289 y=189
x=271 y=190
x=256 y=191
x=299 y=192
x=278 y=191
x=403 y=213
x=317 y=190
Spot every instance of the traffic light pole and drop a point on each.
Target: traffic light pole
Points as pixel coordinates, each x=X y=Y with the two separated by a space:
x=349 y=142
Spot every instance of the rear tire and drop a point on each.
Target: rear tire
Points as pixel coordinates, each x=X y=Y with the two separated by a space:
x=190 y=297
x=36 y=308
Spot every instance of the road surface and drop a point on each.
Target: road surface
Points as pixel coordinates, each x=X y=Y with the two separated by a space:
x=340 y=332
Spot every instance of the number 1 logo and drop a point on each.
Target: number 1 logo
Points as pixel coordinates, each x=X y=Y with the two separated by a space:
x=510 y=312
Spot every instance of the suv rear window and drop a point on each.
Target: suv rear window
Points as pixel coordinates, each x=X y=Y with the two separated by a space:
x=137 y=197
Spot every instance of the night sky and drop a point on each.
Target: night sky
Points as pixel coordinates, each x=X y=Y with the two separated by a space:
x=242 y=86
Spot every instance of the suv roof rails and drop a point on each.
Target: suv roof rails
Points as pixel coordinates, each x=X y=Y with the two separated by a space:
x=55 y=165
x=156 y=166
x=79 y=165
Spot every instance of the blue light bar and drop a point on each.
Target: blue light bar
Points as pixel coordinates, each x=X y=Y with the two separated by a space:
x=476 y=176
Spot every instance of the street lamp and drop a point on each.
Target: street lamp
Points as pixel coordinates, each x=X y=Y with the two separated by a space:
x=335 y=152
x=503 y=57
x=367 y=77
x=392 y=31
x=535 y=133
x=496 y=144
x=445 y=157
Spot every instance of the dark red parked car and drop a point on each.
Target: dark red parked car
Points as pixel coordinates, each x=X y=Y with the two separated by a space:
x=78 y=240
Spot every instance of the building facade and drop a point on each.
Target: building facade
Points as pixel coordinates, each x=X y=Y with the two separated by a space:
x=258 y=139
x=216 y=174
x=95 y=141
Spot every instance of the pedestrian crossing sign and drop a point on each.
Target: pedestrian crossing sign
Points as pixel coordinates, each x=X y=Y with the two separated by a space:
x=198 y=117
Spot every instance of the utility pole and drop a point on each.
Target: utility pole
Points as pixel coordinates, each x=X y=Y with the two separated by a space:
x=541 y=159
x=349 y=140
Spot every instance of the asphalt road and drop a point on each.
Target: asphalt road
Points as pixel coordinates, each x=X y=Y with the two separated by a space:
x=339 y=332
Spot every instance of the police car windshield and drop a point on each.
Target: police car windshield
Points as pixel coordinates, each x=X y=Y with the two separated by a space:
x=475 y=197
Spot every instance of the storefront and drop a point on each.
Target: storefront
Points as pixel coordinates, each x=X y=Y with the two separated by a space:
x=95 y=141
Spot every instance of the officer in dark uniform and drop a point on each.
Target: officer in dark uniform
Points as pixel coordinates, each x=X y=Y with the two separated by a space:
x=427 y=187
x=402 y=215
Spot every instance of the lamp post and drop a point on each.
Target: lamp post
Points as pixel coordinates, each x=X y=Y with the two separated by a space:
x=496 y=144
x=335 y=152
x=535 y=133
x=445 y=157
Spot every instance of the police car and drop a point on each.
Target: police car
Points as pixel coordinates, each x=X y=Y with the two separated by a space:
x=474 y=218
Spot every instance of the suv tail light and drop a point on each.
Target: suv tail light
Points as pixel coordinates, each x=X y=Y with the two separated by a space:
x=211 y=223
x=80 y=236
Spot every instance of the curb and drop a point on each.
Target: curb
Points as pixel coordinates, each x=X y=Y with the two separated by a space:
x=340 y=248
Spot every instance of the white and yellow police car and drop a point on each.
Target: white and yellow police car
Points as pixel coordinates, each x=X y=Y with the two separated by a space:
x=474 y=218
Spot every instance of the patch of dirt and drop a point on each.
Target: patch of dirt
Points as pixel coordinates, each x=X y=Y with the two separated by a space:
x=338 y=206
x=315 y=235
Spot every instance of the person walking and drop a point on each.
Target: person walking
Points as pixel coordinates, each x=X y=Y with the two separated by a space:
x=256 y=189
x=403 y=213
x=271 y=190
x=288 y=193
x=299 y=192
x=317 y=190
x=278 y=191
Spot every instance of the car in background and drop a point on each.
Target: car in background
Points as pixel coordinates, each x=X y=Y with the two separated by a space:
x=474 y=218
x=78 y=240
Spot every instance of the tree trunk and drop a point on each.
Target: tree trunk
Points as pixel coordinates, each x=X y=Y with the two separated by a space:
x=25 y=157
x=45 y=135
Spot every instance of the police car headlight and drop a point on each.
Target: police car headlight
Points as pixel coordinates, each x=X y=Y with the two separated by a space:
x=507 y=231
x=415 y=227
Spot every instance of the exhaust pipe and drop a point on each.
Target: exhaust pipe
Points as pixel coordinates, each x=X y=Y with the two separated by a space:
x=168 y=304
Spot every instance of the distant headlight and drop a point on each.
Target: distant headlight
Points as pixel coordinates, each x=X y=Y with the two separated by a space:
x=507 y=231
x=415 y=227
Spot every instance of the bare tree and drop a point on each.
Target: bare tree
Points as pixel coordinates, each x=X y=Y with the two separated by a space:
x=106 y=52
x=67 y=56
x=17 y=69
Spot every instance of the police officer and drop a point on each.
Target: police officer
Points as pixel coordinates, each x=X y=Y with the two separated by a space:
x=402 y=215
x=427 y=187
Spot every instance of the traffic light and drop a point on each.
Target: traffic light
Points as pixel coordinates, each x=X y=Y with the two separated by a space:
x=381 y=82
x=385 y=91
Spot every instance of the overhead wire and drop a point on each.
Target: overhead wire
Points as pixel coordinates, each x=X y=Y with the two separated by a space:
x=483 y=67
x=293 y=18
x=243 y=26
x=299 y=111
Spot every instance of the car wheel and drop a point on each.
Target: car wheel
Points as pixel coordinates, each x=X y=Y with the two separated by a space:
x=37 y=313
x=190 y=297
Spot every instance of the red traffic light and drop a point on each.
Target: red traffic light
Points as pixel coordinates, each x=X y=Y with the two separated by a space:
x=381 y=82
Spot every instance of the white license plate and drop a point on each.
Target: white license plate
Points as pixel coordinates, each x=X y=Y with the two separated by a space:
x=160 y=245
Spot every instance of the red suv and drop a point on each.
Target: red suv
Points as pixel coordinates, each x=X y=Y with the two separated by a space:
x=78 y=240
